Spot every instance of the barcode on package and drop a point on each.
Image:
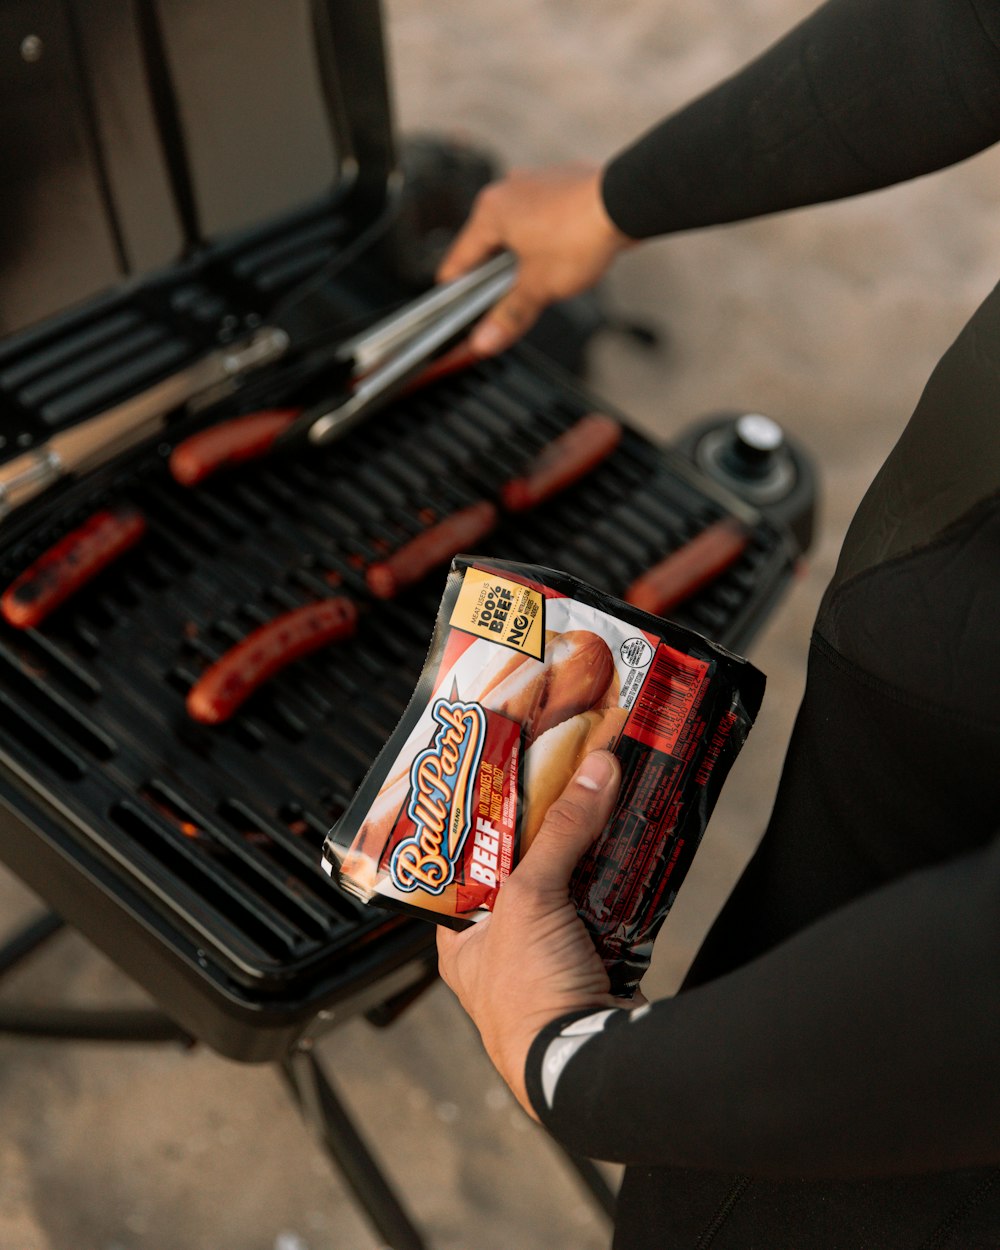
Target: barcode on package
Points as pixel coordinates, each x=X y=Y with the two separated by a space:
x=672 y=690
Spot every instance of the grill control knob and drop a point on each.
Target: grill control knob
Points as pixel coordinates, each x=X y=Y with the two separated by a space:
x=750 y=455
x=756 y=442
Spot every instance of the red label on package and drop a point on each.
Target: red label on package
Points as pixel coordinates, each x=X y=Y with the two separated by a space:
x=671 y=692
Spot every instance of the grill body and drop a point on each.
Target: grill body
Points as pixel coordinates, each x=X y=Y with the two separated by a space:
x=189 y=855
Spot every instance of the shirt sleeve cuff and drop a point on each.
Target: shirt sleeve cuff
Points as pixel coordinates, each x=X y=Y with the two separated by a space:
x=555 y=1046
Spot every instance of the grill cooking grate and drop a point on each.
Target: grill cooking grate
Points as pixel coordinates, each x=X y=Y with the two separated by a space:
x=85 y=361
x=218 y=830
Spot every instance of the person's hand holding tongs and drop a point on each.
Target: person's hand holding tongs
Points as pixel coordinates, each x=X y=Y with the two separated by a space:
x=379 y=362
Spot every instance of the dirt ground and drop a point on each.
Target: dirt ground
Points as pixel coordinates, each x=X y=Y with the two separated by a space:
x=828 y=319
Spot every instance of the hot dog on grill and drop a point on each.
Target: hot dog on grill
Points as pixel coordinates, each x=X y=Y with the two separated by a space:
x=685 y=571
x=228 y=443
x=563 y=462
x=230 y=681
x=461 y=531
x=70 y=564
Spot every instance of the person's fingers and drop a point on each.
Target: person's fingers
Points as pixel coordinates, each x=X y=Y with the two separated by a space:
x=504 y=324
x=474 y=243
x=572 y=822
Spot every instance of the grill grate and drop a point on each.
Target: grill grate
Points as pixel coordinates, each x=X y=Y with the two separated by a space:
x=90 y=359
x=218 y=830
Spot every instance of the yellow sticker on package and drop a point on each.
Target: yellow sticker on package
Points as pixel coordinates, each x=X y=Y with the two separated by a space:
x=506 y=612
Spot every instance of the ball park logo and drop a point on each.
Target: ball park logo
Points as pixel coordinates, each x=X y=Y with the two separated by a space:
x=442 y=799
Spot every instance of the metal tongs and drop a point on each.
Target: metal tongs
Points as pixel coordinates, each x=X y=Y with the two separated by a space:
x=387 y=356
x=380 y=362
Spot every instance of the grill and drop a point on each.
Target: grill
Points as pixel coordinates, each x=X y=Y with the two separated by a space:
x=191 y=855
x=209 y=837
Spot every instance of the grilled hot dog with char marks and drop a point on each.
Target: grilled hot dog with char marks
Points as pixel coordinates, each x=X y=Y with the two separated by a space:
x=460 y=531
x=563 y=462
x=230 y=681
x=70 y=564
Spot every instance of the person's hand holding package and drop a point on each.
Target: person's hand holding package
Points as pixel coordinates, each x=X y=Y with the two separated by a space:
x=532 y=960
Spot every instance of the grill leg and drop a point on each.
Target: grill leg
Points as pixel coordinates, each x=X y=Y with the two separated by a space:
x=74 y=1024
x=326 y=1114
x=34 y=935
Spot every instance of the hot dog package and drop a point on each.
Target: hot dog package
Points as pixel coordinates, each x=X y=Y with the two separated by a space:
x=528 y=670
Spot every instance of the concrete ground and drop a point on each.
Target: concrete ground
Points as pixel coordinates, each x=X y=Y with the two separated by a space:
x=830 y=320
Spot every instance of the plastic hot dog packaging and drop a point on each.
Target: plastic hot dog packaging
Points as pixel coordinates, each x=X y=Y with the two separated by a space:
x=528 y=670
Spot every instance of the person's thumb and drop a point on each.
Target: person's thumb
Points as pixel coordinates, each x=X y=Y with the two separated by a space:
x=573 y=821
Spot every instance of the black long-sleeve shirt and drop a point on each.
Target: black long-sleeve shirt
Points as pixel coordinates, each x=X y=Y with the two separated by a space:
x=861 y=95
x=829 y=1075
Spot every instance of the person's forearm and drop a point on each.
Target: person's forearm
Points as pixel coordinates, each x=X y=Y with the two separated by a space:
x=867 y=1045
x=861 y=95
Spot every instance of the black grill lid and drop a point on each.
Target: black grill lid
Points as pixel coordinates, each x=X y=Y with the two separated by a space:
x=142 y=140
